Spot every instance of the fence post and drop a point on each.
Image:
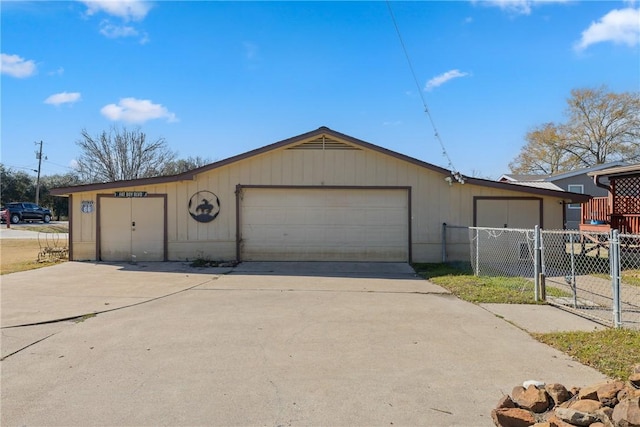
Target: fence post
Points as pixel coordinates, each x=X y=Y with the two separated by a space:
x=477 y=269
x=536 y=262
x=614 y=259
x=444 y=242
x=574 y=285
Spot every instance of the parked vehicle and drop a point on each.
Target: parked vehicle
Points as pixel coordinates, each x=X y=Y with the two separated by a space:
x=25 y=212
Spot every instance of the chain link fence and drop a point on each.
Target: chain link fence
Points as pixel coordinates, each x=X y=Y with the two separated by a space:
x=578 y=264
x=455 y=243
x=630 y=279
x=597 y=274
x=502 y=252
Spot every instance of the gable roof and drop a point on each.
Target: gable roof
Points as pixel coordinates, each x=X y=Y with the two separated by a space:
x=310 y=140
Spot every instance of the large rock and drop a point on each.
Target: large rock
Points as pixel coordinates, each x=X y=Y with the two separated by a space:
x=554 y=421
x=586 y=405
x=558 y=393
x=512 y=417
x=604 y=415
x=505 y=402
x=608 y=393
x=590 y=392
x=532 y=398
x=627 y=413
x=629 y=392
x=576 y=418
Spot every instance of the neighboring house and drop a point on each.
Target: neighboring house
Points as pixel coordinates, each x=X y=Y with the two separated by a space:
x=577 y=181
x=620 y=208
x=321 y=196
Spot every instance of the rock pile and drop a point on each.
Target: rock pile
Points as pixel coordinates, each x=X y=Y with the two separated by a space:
x=606 y=404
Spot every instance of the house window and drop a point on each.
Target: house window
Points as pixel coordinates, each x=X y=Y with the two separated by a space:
x=575 y=188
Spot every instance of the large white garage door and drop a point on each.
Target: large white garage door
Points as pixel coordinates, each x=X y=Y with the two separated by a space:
x=309 y=224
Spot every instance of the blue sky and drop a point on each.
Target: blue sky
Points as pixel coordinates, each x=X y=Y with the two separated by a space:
x=216 y=79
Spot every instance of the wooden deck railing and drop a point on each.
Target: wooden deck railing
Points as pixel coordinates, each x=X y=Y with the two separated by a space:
x=626 y=223
x=596 y=209
x=596 y=214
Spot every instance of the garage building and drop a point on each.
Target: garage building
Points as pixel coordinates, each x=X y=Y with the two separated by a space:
x=319 y=196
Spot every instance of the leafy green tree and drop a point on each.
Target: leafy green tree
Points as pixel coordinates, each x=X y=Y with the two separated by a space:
x=545 y=152
x=601 y=127
x=59 y=205
x=121 y=154
x=16 y=186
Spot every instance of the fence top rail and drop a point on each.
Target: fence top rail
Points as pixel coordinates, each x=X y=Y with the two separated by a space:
x=522 y=230
x=577 y=232
x=633 y=236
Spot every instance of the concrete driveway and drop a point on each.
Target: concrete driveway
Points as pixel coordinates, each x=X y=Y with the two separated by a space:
x=272 y=344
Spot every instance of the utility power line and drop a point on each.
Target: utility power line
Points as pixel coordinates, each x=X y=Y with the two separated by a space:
x=450 y=165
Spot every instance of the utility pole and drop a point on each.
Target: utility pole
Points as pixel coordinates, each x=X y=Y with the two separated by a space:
x=39 y=157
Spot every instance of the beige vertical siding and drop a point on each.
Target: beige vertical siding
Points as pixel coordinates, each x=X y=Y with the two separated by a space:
x=434 y=201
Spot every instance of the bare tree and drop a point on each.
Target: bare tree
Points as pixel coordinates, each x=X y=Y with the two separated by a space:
x=602 y=127
x=121 y=154
x=183 y=165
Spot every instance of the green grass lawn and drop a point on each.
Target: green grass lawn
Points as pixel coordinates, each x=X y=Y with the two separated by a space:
x=463 y=284
x=611 y=351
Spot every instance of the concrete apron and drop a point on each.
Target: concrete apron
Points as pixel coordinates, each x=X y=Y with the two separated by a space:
x=73 y=290
x=281 y=349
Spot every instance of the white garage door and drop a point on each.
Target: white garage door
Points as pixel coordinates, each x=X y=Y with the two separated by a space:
x=296 y=224
x=132 y=227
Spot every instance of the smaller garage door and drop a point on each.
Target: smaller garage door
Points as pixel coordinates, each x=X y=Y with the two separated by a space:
x=132 y=227
x=508 y=212
x=319 y=224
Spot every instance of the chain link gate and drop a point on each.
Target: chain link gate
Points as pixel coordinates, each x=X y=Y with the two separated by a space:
x=629 y=292
x=579 y=265
x=597 y=273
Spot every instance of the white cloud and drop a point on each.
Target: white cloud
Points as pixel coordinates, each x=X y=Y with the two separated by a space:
x=443 y=78
x=63 y=98
x=522 y=7
x=112 y=31
x=137 y=111
x=58 y=72
x=620 y=26
x=16 y=66
x=129 y=10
